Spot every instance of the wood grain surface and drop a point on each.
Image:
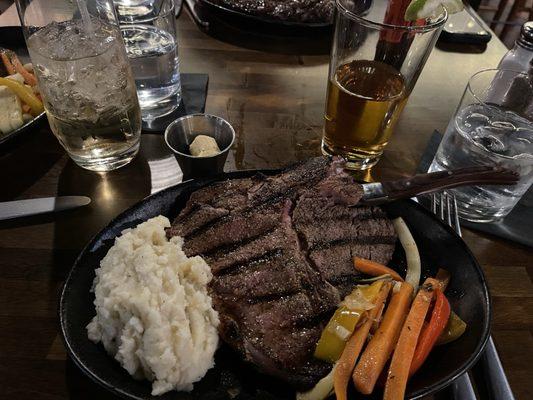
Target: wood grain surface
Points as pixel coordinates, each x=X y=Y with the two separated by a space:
x=275 y=101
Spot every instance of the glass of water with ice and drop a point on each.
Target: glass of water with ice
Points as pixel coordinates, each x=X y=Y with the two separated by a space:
x=493 y=126
x=84 y=79
x=149 y=31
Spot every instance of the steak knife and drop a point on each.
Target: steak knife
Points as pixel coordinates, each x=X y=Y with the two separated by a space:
x=23 y=208
x=384 y=192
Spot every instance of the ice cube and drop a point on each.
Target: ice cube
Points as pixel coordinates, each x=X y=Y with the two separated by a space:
x=490 y=138
x=525 y=135
x=475 y=119
x=522 y=141
x=505 y=137
x=505 y=126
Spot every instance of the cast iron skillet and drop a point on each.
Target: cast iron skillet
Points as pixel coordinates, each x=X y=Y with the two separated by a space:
x=439 y=247
x=213 y=12
x=269 y=20
x=11 y=38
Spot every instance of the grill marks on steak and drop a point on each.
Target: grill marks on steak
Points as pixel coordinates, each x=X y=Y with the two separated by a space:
x=227 y=232
x=289 y=183
x=335 y=262
x=259 y=249
x=281 y=250
x=260 y=280
x=208 y=205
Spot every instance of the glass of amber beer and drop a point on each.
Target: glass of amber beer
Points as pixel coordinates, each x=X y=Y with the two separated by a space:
x=376 y=59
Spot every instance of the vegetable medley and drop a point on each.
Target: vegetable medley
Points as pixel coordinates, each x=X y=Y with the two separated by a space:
x=383 y=332
x=20 y=101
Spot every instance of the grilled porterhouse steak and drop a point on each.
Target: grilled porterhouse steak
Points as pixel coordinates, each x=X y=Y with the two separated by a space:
x=302 y=11
x=281 y=250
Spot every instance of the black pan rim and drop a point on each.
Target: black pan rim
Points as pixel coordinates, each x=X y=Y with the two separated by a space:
x=439 y=385
x=21 y=130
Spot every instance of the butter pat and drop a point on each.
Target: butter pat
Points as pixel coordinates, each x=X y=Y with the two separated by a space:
x=204 y=146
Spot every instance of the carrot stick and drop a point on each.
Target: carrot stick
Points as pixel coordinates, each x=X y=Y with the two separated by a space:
x=377 y=319
x=9 y=67
x=431 y=331
x=346 y=363
x=380 y=347
x=372 y=268
x=405 y=349
x=443 y=277
x=28 y=76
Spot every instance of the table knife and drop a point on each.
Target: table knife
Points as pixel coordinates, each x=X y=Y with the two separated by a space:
x=23 y=208
x=384 y=192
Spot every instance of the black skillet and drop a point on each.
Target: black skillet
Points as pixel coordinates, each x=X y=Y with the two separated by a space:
x=11 y=38
x=439 y=247
x=206 y=11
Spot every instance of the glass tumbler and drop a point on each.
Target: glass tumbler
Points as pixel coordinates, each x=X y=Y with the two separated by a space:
x=492 y=126
x=84 y=79
x=149 y=31
x=376 y=59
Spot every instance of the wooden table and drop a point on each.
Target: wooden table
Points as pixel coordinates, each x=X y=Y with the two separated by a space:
x=275 y=102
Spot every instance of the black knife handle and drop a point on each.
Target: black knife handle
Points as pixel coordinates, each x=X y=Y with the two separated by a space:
x=435 y=181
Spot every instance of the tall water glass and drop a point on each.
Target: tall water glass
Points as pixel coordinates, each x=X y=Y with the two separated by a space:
x=375 y=61
x=149 y=31
x=493 y=125
x=84 y=79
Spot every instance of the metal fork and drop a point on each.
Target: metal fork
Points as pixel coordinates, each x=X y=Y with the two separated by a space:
x=496 y=381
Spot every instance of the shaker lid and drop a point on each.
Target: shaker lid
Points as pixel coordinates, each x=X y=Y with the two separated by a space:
x=526 y=35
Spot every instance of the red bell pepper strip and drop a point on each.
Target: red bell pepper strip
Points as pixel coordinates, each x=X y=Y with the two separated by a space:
x=431 y=331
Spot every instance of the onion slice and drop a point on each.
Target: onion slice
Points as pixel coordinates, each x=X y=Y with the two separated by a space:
x=411 y=253
x=385 y=277
x=323 y=389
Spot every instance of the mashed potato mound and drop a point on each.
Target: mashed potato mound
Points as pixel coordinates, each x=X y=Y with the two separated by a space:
x=153 y=312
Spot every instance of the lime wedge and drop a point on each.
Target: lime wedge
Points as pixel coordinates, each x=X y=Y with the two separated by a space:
x=418 y=9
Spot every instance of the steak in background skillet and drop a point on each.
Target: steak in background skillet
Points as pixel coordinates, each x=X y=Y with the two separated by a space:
x=302 y=11
x=281 y=250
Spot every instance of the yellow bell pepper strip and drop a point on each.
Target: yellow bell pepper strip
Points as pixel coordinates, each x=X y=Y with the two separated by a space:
x=25 y=94
x=341 y=326
x=454 y=329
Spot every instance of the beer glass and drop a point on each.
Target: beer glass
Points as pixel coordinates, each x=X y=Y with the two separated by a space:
x=376 y=59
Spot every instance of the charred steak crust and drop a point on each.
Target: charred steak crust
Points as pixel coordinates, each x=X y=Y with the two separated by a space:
x=281 y=249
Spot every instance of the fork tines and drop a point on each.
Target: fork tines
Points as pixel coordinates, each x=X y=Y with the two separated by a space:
x=444 y=205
